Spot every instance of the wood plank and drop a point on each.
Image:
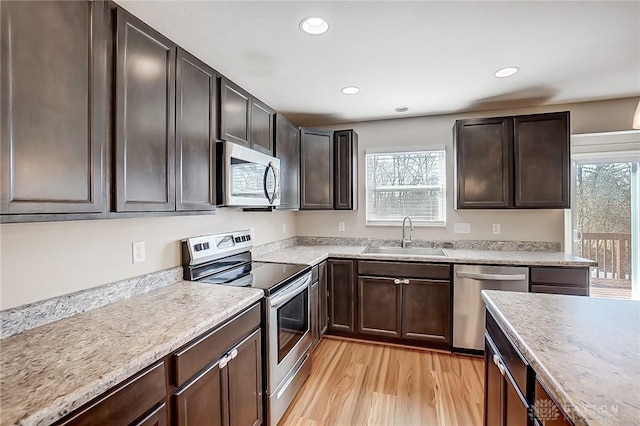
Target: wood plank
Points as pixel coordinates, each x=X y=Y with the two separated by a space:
x=361 y=383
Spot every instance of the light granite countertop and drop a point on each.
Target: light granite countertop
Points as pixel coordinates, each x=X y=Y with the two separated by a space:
x=586 y=350
x=311 y=255
x=51 y=370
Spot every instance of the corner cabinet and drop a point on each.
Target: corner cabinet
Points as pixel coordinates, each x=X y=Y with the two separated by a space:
x=513 y=162
x=329 y=170
x=145 y=117
x=287 y=149
x=53 y=107
x=244 y=119
x=196 y=115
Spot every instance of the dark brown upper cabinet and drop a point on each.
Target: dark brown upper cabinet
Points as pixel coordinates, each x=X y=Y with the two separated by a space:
x=235 y=110
x=483 y=152
x=262 y=121
x=287 y=149
x=244 y=119
x=196 y=115
x=53 y=107
x=145 y=117
x=346 y=170
x=513 y=162
x=316 y=169
x=542 y=163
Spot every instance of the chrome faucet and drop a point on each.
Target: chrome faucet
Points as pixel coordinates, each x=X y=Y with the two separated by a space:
x=404 y=223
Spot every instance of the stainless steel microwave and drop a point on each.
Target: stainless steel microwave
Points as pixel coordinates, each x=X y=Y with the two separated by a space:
x=246 y=178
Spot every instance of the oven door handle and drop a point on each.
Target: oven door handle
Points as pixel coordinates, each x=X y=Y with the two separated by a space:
x=291 y=291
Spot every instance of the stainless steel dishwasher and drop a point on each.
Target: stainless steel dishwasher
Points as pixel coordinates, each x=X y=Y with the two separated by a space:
x=468 y=306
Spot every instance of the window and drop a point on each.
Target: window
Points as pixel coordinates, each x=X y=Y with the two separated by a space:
x=403 y=184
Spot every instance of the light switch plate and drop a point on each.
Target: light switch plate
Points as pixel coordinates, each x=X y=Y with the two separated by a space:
x=340 y=226
x=284 y=227
x=462 y=228
x=495 y=228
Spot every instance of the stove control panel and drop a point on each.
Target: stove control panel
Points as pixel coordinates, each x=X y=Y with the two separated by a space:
x=214 y=246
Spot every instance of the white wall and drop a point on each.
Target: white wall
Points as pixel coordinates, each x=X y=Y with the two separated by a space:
x=43 y=260
x=422 y=132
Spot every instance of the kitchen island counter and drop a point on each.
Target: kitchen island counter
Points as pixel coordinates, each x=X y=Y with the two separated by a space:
x=585 y=350
x=50 y=371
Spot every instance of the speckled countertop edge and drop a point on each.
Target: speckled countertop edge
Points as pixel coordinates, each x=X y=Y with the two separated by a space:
x=311 y=255
x=19 y=407
x=578 y=416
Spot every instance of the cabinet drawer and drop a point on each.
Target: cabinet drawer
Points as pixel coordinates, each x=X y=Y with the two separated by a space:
x=126 y=402
x=314 y=273
x=512 y=359
x=206 y=349
x=571 y=277
x=404 y=270
x=559 y=289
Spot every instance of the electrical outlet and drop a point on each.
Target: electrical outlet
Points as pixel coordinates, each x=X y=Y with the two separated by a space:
x=138 y=250
x=340 y=226
x=495 y=228
x=462 y=228
x=284 y=227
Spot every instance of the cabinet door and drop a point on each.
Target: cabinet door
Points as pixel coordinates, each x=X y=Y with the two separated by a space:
x=245 y=382
x=516 y=411
x=493 y=389
x=145 y=102
x=157 y=417
x=346 y=170
x=235 y=105
x=287 y=146
x=203 y=400
x=379 y=306
x=262 y=122
x=315 y=301
x=541 y=150
x=196 y=96
x=316 y=160
x=52 y=111
x=483 y=162
x=341 y=295
x=426 y=310
x=323 y=294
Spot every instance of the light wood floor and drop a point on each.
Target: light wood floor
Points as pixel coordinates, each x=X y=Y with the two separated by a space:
x=353 y=383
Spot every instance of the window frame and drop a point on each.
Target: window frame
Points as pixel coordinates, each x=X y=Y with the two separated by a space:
x=400 y=150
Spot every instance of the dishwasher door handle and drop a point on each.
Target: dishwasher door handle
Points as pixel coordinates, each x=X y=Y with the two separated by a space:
x=491 y=277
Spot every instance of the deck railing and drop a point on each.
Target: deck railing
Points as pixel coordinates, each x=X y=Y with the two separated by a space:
x=612 y=251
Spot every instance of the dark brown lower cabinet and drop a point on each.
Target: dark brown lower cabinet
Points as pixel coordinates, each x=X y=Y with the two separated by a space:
x=426 y=310
x=315 y=305
x=380 y=306
x=560 y=280
x=214 y=380
x=341 y=295
x=323 y=292
x=553 y=414
x=228 y=392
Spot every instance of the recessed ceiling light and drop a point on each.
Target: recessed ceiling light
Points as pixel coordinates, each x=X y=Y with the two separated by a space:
x=506 y=72
x=402 y=109
x=314 y=25
x=350 y=90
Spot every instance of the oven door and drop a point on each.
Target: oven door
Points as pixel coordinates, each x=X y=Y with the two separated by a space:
x=250 y=178
x=289 y=324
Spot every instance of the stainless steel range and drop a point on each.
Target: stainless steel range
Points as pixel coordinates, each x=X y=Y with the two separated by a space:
x=225 y=259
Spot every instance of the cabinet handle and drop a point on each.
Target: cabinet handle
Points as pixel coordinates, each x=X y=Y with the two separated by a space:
x=233 y=354
x=405 y=281
x=223 y=362
x=397 y=281
x=498 y=362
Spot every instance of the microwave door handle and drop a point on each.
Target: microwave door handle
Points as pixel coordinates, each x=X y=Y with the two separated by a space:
x=271 y=197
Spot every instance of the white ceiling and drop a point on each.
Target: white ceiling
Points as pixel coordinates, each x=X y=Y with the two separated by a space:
x=433 y=57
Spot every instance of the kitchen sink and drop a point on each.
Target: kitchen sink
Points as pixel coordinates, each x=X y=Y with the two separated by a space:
x=420 y=251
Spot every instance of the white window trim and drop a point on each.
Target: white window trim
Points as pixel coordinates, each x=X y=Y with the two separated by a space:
x=416 y=222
